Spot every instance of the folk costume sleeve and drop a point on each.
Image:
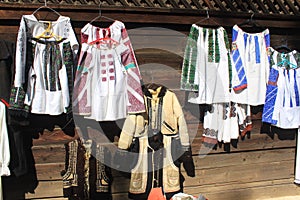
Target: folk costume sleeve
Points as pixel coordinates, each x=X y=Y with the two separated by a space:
x=188 y=75
x=4 y=143
x=134 y=89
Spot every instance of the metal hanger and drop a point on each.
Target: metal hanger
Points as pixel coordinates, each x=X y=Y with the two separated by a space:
x=105 y=39
x=250 y=22
x=208 y=18
x=283 y=48
x=101 y=16
x=48 y=33
x=46 y=6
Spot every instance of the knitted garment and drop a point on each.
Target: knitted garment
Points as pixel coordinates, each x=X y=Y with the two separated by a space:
x=206 y=69
x=282 y=103
x=107 y=75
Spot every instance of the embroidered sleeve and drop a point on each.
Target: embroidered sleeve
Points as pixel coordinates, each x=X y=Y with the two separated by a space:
x=239 y=81
x=189 y=62
x=134 y=89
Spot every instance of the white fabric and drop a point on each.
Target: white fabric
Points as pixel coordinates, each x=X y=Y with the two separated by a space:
x=4 y=143
x=40 y=100
x=256 y=73
x=286 y=112
x=4 y=147
x=297 y=165
x=287 y=106
x=212 y=77
x=107 y=84
x=220 y=123
x=108 y=98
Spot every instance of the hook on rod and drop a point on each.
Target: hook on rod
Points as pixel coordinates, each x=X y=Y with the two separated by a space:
x=207 y=14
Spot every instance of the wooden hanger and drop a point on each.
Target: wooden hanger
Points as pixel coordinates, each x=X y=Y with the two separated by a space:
x=208 y=19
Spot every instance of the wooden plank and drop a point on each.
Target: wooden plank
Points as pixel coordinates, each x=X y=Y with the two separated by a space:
x=211 y=170
x=47 y=190
x=50 y=171
x=48 y=145
x=242 y=173
x=51 y=153
x=244 y=158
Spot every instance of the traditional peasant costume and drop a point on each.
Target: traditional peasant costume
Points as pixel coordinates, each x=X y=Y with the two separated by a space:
x=154 y=134
x=45 y=55
x=108 y=82
x=206 y=69
x=282 y=103
x=206 y=74
x=250 y=66
x=4 y=144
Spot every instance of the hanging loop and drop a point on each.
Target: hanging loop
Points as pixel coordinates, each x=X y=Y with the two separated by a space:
x=207 y=14
x=100 y=13
x=252 y=14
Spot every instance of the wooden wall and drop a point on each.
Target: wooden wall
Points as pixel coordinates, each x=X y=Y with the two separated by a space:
x=260 y=167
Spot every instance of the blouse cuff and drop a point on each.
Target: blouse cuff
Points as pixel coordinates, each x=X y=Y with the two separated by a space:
x=4 y=170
